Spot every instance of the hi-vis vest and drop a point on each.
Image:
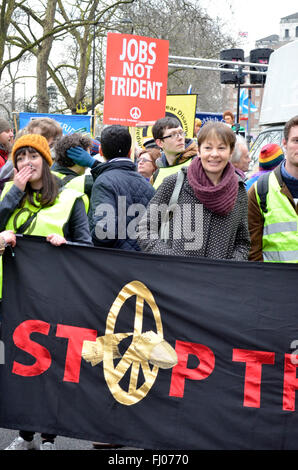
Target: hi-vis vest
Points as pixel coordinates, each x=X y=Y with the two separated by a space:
x=280 y=233
x=48 y=220
x=77 y=183
x=169 y=170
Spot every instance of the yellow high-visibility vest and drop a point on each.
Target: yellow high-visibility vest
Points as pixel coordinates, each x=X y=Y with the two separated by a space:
x=51 y=219
x=169 y=170
x=77 y=183
x=280 y=233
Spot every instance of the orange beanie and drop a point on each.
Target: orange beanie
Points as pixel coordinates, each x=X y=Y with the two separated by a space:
x=36 y=141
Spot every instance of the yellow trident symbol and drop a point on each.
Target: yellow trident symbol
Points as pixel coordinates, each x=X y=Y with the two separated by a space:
x=146 y=347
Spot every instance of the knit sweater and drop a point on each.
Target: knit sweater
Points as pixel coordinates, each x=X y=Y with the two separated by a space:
x=202 y=233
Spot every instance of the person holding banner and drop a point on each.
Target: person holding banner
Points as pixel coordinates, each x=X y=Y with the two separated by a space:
x=34 y=197
x=33 y=204
x=176 y=151
x=6 y=238
x=47 y=127
x=201 y=211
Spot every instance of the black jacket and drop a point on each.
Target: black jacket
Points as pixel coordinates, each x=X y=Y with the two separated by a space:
x=119 y=197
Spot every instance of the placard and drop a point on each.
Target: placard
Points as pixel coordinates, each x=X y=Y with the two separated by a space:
x=136 y=79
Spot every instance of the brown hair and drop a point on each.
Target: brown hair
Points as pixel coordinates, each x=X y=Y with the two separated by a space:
x=48 y=127
x=154 y=155
x=228 y=113
x=291 y=123
x=162 y=124
x=220 y=130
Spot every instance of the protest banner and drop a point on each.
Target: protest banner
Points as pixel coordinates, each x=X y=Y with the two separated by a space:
x=206 y=117
x=69 y=123
x=80 y=324
x=136 y=79
x=182 y=107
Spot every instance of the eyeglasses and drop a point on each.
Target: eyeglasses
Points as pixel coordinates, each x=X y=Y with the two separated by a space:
x=144 y=160
x=175 y=135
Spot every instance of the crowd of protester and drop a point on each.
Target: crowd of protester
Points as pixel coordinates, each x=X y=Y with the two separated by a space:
x=191 y=197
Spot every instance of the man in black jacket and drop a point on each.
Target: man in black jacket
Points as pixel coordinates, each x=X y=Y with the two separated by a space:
x=119 y=195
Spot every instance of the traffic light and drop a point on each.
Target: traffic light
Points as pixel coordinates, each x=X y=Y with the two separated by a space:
x=231 y=78
x=259 y=56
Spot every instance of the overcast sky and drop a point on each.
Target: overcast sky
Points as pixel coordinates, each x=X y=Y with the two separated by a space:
x=259 y=18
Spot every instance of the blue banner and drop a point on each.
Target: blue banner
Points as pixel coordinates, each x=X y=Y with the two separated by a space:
x=69 y=123
x=205 y=117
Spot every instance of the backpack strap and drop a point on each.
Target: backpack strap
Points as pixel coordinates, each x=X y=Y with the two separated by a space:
x=262 y=190
x=165 y=223
x=177 y=188
x=27 y=223
x=66 y=179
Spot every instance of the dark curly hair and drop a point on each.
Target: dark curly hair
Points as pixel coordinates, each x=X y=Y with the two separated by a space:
x=65 y=143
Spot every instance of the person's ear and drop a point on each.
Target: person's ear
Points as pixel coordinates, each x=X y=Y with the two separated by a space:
x=159 y=142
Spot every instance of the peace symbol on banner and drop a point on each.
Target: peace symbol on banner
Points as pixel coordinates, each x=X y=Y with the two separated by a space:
x=147 y=352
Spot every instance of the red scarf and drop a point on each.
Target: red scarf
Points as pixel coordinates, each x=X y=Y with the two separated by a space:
x=220 y=198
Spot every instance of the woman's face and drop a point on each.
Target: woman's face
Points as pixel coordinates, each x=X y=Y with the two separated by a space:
x=35 y=162
x=228 y=119
x=145 y=165
x=215 y=155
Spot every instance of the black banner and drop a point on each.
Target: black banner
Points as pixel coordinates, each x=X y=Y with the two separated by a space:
x=149 y=351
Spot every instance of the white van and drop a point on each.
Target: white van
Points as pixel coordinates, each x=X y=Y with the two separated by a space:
x=280 y=100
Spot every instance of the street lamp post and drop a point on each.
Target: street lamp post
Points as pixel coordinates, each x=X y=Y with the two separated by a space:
x=93 y=83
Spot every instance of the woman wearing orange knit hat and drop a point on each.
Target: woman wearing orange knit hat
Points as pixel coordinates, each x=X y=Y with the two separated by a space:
x=34 y=204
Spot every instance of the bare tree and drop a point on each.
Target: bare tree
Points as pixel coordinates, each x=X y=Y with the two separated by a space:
x=191 y=32
x=88 y=39
x=64 y=35
x=6 y=12
x=36 y=33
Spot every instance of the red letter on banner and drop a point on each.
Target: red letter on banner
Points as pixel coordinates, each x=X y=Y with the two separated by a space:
x=252 y=385
x=21 y=338
x=76 y=337
x=181 y=372
x=290 y=382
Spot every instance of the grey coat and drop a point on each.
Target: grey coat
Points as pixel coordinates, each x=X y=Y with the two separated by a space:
x=194 y=230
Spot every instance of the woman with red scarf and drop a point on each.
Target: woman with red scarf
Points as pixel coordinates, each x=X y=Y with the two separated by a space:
x=206 y=216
